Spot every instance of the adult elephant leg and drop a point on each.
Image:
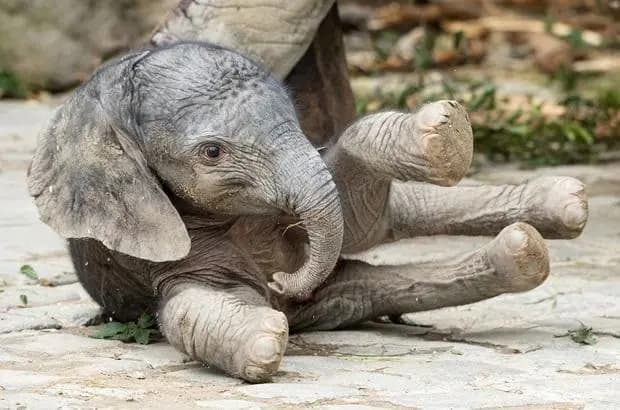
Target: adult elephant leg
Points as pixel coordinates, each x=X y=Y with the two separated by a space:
x=320 y=85
x=275 y=33
x=555 y=206
x=515 y=261
x=233 y=330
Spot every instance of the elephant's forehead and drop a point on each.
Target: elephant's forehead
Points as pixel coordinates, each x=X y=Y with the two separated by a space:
x=198 y=88
x=245 y=113
x=237 y=121
x=195 y=70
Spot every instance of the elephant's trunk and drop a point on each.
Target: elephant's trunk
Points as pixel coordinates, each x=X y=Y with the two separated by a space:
x=311 y=194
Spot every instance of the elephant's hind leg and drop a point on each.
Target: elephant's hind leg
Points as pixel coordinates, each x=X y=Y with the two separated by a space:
x=515 y=261
x=432 y=145
x=556 y=206
x=229 y=329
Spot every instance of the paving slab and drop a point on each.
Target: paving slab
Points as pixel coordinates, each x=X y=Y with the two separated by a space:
x=509 y=352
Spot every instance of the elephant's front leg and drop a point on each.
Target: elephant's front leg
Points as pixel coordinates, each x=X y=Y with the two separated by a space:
x=515 y=261
x=432 y=145
x=226 y=329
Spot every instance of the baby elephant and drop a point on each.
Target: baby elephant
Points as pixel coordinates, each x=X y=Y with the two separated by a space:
x=183 y=181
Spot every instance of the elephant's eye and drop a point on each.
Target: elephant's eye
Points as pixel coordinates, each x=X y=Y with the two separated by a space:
x=212 y=151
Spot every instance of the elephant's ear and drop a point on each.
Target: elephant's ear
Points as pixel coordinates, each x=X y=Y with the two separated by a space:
x=91 y=181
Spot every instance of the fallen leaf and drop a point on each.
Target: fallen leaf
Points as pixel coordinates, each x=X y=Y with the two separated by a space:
x=582 y=335
x=29 y=271
x=146 y=321
x=109 y=330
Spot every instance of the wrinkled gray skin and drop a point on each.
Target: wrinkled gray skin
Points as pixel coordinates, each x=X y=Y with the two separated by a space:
x=124 y=170
x=164 y=110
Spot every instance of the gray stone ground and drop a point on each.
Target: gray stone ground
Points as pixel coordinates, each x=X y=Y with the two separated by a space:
x=499 y=353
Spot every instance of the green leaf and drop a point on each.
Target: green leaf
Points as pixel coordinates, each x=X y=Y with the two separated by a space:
x=512 y=118
x=142 y=336
x=486 y=98
x=132 y=328
x=519 y=129
x=109 y=330
x=146 y=321
x=124 y=337
x=384 y=41
x=401 y=97
x=448 y=89
x=11 y=86
x=361 y=106
x=609 y=99
x=583 y=133
x=586 y=340
x=24 y=299
x=141 y=331
x=581 y=335
x=29 y=271
x=423 y=52
x=569 y=132
x=548 y=24
x=575 y=39
x=457 y=39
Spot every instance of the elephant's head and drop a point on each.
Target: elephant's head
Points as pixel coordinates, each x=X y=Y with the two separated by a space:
x=200 y=122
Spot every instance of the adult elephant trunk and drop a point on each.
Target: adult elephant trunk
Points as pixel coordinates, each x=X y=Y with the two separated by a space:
x=310 y=194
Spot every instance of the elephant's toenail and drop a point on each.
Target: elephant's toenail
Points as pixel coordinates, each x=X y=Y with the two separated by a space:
x=575 y=215
x=275 y=324
x=265 y=350
x=515 y=240
x=256 y=374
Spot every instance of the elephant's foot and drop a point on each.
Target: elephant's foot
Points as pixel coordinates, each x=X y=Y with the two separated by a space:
x=446 y=139
x=519 y=258
x=260 y=358
x=556 y=206
x=434 y=145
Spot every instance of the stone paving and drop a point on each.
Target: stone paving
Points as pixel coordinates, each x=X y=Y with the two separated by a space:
x=500 y=353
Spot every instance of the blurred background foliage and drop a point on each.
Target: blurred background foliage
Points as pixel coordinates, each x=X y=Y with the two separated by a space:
x=540 y=78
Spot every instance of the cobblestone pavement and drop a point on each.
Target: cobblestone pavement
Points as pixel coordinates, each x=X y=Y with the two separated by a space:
x=499 y=353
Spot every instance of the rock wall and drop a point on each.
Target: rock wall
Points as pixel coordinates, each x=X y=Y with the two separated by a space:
x=54 y=44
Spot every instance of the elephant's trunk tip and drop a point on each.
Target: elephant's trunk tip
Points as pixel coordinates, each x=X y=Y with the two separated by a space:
x=325 y=234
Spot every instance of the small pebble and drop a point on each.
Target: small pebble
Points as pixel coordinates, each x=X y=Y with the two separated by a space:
x=137 y=375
